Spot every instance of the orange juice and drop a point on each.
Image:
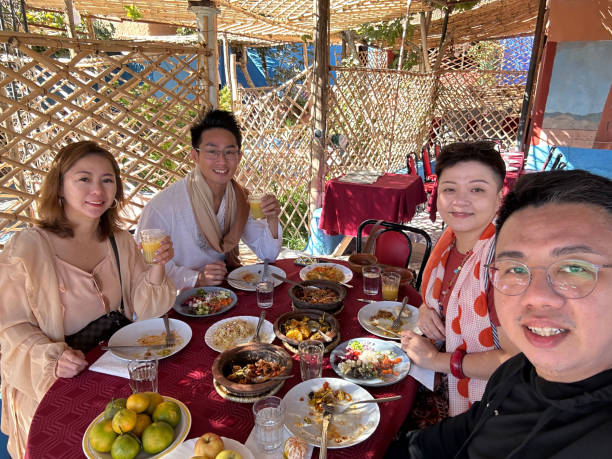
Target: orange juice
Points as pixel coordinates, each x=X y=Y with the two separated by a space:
x=389 y=292
x=390 y=285
x=255 y=203
x=149 y=248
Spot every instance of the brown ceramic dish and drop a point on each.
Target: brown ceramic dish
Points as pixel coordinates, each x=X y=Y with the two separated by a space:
x=243 y=355
x=358 y=260
x=299 y=315
x=296 y=295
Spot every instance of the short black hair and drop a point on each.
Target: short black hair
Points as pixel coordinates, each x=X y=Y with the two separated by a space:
x=215 y=119
x=556 y=187
x=482 y=151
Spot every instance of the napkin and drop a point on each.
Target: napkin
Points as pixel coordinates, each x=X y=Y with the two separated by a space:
x=360 y=177
x=111 y=365
x=422 y=375
x=276 y=454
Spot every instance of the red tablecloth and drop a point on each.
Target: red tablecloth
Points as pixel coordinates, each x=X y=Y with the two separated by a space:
x=393 y=197
x=70 y=404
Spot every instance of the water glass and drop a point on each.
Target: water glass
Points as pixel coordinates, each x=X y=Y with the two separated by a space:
x=265 y=294
x=151 y=240
x=371 y=274
x=390 y=285
x=311 y=359
x=143 y=375
x=269 y=420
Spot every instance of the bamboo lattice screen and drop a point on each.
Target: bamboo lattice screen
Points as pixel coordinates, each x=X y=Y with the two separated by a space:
x=137 y=100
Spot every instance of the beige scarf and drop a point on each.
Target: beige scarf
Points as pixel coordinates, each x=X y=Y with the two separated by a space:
x=236 y=215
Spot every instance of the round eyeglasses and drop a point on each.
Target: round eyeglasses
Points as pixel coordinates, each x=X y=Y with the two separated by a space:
x=229 y=155
x=568 y=278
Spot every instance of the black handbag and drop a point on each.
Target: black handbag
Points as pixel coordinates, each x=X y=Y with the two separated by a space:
x=103 y=327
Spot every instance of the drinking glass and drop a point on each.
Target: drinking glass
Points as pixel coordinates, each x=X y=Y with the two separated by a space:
x=143 y=375
x=151 y=240
x=390 y=285
x=255 y=203
x=269 y=420
x=311 y=359
x=371 y=275
x=265 y=294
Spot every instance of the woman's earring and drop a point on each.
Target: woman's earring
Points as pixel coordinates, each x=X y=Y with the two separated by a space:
x=115 y=203
x=61 y=201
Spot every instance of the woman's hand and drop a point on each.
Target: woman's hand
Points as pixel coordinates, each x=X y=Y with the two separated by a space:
x=212 y=274
x=165 y=253
x=70 y=364
x=420 y=349
x=430 y=323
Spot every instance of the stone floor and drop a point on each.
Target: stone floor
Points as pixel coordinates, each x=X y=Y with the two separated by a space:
x=421 y=220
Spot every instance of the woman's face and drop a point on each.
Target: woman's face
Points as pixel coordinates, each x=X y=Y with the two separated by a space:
x=468 y=197
x=88 y=188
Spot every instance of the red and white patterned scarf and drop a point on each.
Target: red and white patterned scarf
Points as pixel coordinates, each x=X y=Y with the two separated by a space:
x=468 y=326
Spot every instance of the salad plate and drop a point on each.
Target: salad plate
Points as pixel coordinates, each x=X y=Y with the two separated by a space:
x=247 y=277
x=205 y=301
x=303 y=418
x=370 y=362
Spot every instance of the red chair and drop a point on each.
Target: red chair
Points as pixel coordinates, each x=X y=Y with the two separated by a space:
x=394 y=246
x=430 y=177
x=411 y=164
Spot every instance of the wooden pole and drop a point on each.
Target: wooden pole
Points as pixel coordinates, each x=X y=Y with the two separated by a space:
x=69 y=10
x=406 y=21
x=206 y=15
x=244 y=59
x=319 y=89
x=305 y=54
x=226 y=62
x=234 y=82
x=425 y=54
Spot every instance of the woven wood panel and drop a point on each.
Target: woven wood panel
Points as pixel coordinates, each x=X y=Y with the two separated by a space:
x=137 y=101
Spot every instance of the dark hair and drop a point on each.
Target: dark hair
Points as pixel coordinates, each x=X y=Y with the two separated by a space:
x=52 y=216
x=558 y=187
x=215 y=119
x=482 y=151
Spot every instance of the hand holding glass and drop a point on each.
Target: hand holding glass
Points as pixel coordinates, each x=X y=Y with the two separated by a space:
x=255 y=203
x=151 y=240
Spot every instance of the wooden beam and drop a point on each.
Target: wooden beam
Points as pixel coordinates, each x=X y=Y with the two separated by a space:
x=319 y=92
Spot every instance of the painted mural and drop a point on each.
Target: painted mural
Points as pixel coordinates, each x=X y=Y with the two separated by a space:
x=579 y=105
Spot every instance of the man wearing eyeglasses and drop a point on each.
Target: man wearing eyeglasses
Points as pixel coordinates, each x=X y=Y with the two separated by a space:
x=553 y=295
x=207 y=212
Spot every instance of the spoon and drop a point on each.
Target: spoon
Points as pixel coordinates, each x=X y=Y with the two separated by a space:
x=339 y=409
x=260 y=379
x=261 y=319
x=315 y=326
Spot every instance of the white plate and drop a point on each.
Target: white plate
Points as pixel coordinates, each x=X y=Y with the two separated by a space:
x=130 y=334
x=257 y=271
x=402 y=368
x=392 y=306
x=348 y=274
x=180 y=432
x=186 y=449
x=266 y=333
x=356 y=424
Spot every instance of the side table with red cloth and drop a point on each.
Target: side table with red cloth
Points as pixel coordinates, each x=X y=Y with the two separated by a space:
x=71 y=404
x=393 y=197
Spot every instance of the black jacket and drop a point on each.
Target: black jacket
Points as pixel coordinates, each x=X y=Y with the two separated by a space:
x=524 y=416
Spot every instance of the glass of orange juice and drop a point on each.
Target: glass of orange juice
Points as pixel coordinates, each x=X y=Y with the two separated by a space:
x=390 y=285
x=255 y=203
x=151 y=241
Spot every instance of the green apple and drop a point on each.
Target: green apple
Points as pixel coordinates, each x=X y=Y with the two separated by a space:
x=228 y=454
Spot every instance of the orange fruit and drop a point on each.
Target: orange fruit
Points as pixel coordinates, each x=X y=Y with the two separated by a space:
x=138 y=402
x=157 y=437
x=168 y=412
x=155 y=399
x=124 y=421
x=102 y=436
x=113 y=406
x=142 y=422
x=125 y=447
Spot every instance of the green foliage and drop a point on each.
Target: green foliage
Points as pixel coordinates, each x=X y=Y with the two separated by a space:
x=386 y=32
x=486 y=54
x=186 y=31
x=132 y=12
x=47 y=18
x=295 y=235
x=104 y=30
x=225 y=99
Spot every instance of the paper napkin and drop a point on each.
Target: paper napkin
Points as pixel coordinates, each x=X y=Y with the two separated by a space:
x=277 y=453
x=111 y=365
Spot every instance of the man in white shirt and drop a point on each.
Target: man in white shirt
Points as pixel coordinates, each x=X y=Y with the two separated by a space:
x=207 y=213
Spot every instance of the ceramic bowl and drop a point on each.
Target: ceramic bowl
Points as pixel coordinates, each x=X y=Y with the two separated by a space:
x=358 y=260
x=297 y=296
x=313 y=314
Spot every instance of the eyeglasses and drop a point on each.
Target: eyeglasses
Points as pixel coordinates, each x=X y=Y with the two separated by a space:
x=569 y=278
x=229 y=155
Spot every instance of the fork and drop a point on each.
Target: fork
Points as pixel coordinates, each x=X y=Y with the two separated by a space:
x=339 y=409
x=169 y=335
x=327 y=415
x=397 y=322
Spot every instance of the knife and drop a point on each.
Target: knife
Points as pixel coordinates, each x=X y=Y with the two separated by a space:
x=390 y=332
x=133 y=347
x=367 y=301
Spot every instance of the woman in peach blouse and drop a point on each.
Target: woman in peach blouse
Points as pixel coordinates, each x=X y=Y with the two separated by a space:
x=70 y=282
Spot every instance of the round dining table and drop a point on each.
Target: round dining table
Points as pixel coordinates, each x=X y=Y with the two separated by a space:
x=71 y=404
